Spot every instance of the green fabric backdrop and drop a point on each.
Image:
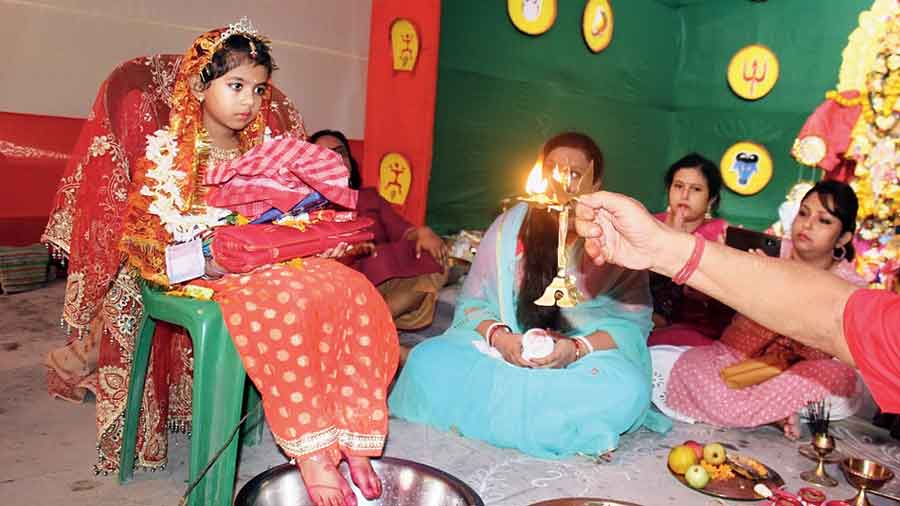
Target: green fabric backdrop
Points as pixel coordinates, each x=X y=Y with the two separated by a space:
x=657 y=92
x=806 y=36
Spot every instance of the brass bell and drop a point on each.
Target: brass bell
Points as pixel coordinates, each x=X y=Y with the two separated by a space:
x=560 y=292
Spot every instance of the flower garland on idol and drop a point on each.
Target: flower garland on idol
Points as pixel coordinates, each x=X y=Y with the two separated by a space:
x=860 y=121
x=874 y=145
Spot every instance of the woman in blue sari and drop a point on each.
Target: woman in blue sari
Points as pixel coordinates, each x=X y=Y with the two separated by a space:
x=593 y=386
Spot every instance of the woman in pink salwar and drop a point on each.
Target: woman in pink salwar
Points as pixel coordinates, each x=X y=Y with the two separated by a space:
x=695 y=389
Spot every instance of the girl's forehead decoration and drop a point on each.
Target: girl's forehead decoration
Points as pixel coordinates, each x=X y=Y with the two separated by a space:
x=206 y=45
x=243 y=27
x=211 y=41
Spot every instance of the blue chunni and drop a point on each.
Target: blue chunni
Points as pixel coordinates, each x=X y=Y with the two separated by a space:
x=550 y=413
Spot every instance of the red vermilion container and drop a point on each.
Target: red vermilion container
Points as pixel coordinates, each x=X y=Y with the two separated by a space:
x=811 y=496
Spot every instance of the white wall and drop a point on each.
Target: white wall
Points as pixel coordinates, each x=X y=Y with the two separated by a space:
x=58 y=51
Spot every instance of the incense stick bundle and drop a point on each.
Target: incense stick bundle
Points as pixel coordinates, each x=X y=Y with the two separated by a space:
x=818 y=416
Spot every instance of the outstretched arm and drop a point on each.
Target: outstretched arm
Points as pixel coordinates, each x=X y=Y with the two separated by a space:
x=787 y=297
x=790 y=298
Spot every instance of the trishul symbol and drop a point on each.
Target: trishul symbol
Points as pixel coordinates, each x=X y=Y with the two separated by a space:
x=754 y=76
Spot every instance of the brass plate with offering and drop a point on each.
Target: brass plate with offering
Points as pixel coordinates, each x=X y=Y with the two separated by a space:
x=714 y=471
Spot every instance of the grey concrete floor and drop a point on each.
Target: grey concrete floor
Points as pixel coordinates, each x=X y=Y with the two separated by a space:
x=47 y=446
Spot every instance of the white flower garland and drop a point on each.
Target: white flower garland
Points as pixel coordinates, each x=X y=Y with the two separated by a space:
x=163 y=187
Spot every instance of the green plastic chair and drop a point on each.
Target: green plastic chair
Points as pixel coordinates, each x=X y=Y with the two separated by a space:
x=220 y=389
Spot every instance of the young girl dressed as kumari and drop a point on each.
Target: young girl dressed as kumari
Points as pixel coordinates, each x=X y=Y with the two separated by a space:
x=316 y=340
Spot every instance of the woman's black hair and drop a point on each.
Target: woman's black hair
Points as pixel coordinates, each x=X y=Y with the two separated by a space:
x=540 y=237
x=234 y=52
x=707 y=167
x=355 y=178
x=840 y=201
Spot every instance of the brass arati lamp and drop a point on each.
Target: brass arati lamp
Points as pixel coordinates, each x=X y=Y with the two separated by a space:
x=561 y=291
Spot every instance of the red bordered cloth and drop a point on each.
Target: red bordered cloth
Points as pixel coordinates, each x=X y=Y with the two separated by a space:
x=243 y=248
x=279 y=173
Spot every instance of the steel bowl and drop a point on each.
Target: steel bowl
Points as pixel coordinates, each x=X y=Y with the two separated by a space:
x=583 y=501
x=404 y=483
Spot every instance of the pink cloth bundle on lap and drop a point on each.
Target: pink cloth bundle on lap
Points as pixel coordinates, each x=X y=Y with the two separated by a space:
x=243 y=248
x=279 y=173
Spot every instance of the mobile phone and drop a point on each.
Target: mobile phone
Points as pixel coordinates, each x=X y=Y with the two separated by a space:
x=744 y=239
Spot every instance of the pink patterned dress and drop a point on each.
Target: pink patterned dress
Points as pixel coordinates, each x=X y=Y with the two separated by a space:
x=695 y=389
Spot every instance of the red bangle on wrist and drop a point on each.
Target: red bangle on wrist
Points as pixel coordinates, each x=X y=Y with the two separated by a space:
x=578 y=353
x=492 y=328
x=693 y=262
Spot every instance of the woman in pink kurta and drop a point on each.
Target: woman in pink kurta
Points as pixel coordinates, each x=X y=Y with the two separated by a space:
x=821 y=236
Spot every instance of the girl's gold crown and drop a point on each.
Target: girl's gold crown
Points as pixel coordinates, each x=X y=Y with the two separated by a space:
x=243 y=27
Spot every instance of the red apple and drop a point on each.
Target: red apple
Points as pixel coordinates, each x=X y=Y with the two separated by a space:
x=697 y=447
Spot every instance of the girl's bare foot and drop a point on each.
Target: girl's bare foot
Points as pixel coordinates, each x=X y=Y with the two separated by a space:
x=364 y=476
x=324 y=484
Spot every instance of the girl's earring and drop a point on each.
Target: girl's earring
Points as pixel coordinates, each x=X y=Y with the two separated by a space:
x=709 y=213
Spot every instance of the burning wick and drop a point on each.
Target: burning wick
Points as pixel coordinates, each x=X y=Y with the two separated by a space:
x=536 y=183
x=565 y=179
x=536 y=187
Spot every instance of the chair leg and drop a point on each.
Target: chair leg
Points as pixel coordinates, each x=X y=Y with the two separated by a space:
x=252 y=430
x=135 y=397
x=219 y=380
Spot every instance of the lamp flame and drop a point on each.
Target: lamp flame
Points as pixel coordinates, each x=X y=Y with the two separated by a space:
x=536 y=184
x=557 y=176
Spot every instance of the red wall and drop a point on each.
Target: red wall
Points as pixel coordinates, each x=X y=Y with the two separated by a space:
x=357 y=148
x=400 y=105
x=31 y=163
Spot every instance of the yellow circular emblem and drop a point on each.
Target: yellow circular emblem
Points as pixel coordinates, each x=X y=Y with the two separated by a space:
x=533 y=17
x=597 y=24
x=746 y=167
x=753 y=72
x=394 y=178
